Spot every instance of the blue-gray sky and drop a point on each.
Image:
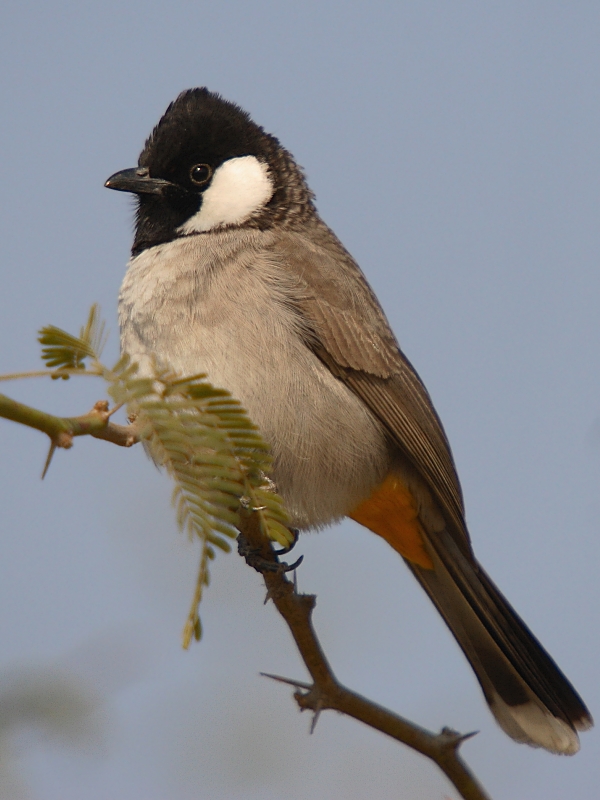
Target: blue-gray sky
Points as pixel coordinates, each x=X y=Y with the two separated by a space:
x=454 y=149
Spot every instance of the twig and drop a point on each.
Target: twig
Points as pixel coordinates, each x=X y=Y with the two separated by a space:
x=326 y=691
x=62 y=430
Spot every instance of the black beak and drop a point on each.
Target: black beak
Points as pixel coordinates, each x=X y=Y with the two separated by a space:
x=138 y=181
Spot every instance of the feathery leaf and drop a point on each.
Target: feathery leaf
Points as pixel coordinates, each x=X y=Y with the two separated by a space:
x=63 y=350
x=198 y=433
x=216 y=456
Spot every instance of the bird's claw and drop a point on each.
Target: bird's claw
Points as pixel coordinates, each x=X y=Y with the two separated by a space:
x=285 y=550
x=254 y=559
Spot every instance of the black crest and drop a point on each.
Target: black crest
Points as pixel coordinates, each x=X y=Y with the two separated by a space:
x=200 y=127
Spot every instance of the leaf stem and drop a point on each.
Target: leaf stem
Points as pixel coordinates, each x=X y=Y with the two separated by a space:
x=95 y=372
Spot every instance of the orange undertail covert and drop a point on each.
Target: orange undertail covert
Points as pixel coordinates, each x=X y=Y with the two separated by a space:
x=391 y=512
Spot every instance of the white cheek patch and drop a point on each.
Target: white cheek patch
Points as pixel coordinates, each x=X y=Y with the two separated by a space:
x=239 y=188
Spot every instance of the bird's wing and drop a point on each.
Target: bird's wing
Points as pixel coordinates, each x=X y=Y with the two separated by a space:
x=530 y=697
x=351 y=335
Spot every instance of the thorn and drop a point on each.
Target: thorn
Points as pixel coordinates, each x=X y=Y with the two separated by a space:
x=454 y=739
x=316 y=716
x=465 y=736
x=48 y=459
x=113 y=410
x=289 y=681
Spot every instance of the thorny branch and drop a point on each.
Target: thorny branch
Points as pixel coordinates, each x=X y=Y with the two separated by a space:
x=326 y=692
x=62 y=430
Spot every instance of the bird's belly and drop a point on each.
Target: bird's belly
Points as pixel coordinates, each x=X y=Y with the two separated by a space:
x=329 y=451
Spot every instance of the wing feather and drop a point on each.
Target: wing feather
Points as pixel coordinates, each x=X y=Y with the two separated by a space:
x=351 y=335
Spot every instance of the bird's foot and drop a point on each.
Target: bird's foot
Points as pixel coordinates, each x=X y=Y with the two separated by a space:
x=257 y=561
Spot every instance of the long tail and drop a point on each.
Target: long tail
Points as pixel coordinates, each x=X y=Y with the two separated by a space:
x=529 y=696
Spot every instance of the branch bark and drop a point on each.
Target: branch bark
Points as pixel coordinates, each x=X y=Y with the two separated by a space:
x=326 y=691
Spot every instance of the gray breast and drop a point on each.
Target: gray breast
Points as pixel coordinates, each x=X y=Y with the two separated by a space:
x=220 y=303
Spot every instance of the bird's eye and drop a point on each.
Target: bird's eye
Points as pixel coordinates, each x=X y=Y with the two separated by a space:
x=200 y=174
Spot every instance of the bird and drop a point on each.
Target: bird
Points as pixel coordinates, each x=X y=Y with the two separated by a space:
x=233 y=273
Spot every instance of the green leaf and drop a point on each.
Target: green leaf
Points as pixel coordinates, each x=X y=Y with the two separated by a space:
x=62 y=350
x=200 y=434
x=215 y=455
